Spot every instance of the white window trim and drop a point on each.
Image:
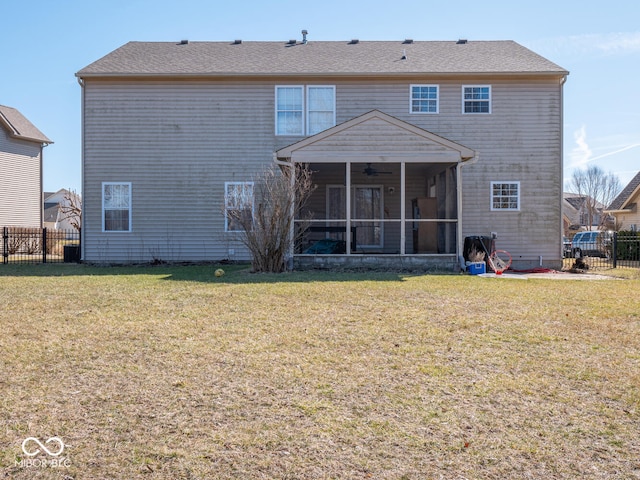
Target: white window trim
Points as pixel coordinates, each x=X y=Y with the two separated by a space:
x=411 y=98
x=226 y=216
x=305 y=108
x=490 y=100
x=512 y=182
x=104 y=230
x=275 y=93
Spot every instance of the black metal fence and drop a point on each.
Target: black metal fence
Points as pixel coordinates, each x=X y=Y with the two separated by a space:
x=39 y=245
x=604 y=251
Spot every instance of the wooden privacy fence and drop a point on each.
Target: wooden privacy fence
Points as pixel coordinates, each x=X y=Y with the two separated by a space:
x=39 y=245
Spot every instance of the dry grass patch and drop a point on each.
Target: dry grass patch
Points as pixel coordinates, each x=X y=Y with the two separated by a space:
x=168 y=372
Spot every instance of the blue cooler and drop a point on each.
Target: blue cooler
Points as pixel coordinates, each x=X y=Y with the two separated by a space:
x=477 y=268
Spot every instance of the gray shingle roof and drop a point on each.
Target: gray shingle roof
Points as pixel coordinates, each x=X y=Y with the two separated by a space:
x=626 y=192
x=19 y=127
x=317 y=58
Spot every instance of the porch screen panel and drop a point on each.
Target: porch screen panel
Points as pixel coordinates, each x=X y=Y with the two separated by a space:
x=368 y=205
x=336 y=210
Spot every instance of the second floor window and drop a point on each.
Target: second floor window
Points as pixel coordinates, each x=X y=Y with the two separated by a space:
x=305 y=111
x=424 y=99
x=476 y=99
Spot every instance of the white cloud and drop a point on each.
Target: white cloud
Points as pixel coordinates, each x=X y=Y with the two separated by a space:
x=607 y=44
x=619 y=150
x=581 y=153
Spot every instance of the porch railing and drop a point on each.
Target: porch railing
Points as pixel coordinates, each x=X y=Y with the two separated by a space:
x=379 y=236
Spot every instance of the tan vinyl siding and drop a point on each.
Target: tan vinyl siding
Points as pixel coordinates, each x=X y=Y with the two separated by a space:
x=177 y=145
x=628 y=221
x=20 y=195
x=527 y=150
x=177 y=142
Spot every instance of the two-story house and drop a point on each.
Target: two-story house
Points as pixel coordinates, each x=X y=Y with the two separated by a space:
x=21 y=147
x=413 y=147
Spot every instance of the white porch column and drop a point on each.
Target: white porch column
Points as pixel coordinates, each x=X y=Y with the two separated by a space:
x=403 y=203
x=348 y=206
x=459 y=195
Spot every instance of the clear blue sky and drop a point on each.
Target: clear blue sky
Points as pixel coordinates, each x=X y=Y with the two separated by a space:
x=45 y=42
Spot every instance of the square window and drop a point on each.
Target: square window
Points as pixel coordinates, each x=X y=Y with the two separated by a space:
x=505 y=196
x=476 y=99
x=424 y=99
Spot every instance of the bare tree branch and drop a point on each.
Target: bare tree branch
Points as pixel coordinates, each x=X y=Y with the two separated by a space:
x=71 y=209
x=267 y=231
x=597 y=189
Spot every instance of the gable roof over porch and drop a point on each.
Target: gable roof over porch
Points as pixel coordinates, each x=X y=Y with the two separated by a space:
x=376 y=137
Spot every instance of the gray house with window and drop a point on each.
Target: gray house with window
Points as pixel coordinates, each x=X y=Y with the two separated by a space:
x=21 y=153
x=413 y=147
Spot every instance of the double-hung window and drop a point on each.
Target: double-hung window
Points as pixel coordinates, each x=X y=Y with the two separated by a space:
x=505 y=196
x=305 y=110
x=238 y=206
x=476 y=99
x=116 y=207
x=424 y=99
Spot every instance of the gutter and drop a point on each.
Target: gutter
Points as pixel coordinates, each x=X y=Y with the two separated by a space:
x=384 y=74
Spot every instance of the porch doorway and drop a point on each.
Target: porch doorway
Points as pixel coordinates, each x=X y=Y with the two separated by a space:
x=367 y=212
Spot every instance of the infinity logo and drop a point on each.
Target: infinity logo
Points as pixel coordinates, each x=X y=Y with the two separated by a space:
x=42 y=446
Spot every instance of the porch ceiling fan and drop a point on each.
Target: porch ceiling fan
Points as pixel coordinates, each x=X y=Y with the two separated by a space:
x=370 y=171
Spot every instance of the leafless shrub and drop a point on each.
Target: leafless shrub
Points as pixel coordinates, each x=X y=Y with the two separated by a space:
x=268 y=227
x=476 y=255
x=14 y=243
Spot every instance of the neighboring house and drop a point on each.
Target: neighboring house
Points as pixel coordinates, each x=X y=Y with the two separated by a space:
x=625 y=206
x=54 y=209
x=21 y=146
x=575 y=215
x=434 y=141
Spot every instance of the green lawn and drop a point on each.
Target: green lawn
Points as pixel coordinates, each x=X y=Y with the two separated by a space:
x=172 y=373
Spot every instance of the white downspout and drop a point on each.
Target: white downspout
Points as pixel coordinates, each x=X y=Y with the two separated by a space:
x=471 y=161
x=292 y=227
x=562 y=82
x=82 y=155
x=292 y=215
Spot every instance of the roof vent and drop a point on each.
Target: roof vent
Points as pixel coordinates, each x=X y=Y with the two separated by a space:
x=184 y=42
x=462 y=41
x=292 y=42
x=237 y=42
x=404 y=55
x=304 y=36
x=354 y=41
x=408 y=41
